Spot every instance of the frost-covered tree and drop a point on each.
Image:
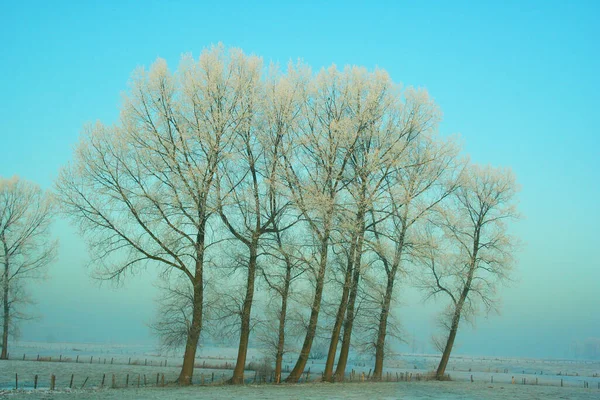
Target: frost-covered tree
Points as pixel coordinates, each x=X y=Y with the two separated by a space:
x=328 y=133
x=142 y=191
x=26 y=248
x=256 y=176
x=469 y=251
x=429 y=173
x=388 y=122
x=250 y=201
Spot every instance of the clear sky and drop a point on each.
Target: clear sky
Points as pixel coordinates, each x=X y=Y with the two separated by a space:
x=519 y=80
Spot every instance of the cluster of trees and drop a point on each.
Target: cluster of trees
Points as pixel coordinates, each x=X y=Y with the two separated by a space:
x=588 y=348
x=288 y=204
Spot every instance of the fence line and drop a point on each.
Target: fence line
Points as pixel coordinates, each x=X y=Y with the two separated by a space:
x=268 y=377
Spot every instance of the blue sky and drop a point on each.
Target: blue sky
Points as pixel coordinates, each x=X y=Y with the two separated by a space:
x=517 y=79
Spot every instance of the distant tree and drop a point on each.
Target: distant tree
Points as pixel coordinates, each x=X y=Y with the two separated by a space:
x=471 y=252
x=25 y=246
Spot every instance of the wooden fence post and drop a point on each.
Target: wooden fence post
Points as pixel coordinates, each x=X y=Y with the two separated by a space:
x=16 y=381
x=84 y=382
x=77 y=359
x=113 y=381
x=103 y=378
x=35 y=379
x=52 y=382
x=70 y=383
x=162 y=380
x=157 y=377
x=127 y=381
x=91 y=359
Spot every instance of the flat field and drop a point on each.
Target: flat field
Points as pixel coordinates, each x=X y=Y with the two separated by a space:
x=133 y=372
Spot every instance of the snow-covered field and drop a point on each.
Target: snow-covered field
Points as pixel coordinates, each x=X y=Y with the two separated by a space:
x=134 y=365
x=401 y=390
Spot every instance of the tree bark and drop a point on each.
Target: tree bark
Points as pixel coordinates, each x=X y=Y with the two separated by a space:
x=382 y=331
x=441 y=369
x=240 y=365
x=191 y=345
x=439 y=374
x=339 y=319
x=282 y=317
x=385 y=309
x=6 y=313
x=6 y=305
x=350 y=311
x=189 y=356
x=296 y=373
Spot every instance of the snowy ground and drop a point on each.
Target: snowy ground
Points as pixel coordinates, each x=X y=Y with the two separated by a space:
x=492 y=377
x=401 y=390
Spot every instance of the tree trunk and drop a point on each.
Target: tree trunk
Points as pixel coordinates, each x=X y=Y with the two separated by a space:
x=282 y=317
x=350 y=312
x=439 y=374
x=240 y=365
x=382 y=331
x=441 y=369
x=314 y=314
x=189 y=356
x=6 y=305
x=339 y=319
x=191 y=345
x=385 y=308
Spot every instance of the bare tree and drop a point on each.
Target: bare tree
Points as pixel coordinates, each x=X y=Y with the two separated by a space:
x=472 y=252
x=315 y=177
x=286 y=266
x=383 y=149
x=142 y=191
x=430 y=173
x=377 y=114
x=25 y=246
x=250 y=202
